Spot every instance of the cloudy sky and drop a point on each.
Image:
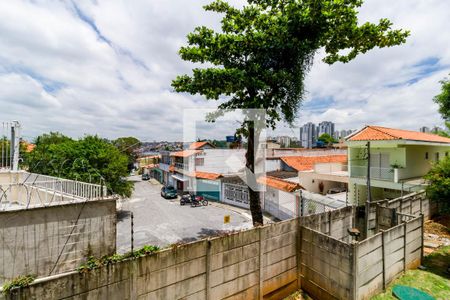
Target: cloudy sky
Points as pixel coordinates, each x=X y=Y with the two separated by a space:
x=105 y=67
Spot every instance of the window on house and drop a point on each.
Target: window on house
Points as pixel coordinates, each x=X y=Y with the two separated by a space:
x=199 y=161
x=446 y=154
x=437 y=156
x=426 y=155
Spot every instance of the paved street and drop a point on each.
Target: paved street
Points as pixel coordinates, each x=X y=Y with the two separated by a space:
x=158 y=221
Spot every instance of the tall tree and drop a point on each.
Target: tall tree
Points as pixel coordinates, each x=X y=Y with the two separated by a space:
x=263 y=52
x=443 y=99
x=90 y=159
x=129 y=146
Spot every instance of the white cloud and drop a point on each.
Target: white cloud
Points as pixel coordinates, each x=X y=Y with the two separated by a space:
x=106 y=66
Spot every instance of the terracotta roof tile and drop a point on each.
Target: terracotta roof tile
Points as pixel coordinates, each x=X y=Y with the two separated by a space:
x=185 y=153
x=30 y=147
x=206 y=175
x=151 y=166
x=378 y=133
x=279 y=184
x=306 y=163
x=198 y=145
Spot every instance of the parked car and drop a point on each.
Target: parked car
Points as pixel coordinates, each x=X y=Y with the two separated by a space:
x=145 y=176
x=336 y=190
x=168 y=192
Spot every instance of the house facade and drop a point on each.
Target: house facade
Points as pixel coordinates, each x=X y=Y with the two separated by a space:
x=398 y=161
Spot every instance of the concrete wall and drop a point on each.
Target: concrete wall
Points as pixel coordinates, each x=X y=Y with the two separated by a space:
x=282 y=205
x=326 y=266
x=268 y=262
x=32 y=239
x=333 y=223
x=383 y=257
x=411 y=204
x=257 y=263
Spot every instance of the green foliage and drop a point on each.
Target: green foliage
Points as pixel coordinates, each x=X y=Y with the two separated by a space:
x=95 y=263
x=90 y=159
x=445 y=133
x=128 y=146
x=439 y=184
x=262 y=54
x=327 y=139
x=443 y=99
x=18 y=282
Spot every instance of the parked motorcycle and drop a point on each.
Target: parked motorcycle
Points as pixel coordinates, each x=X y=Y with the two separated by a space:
x=186 y=198
x=199 y=200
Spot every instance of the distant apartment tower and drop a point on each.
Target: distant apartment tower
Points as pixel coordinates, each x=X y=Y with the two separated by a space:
x=284 y=141
x=424 y=129
x=336 y=135
x=325 y=127
x=308 y=135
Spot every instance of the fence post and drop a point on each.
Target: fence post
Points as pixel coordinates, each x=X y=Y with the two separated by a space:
x=260 y=264
x=208 y=269
x=383 y=259
x=132 y=231
x=298 y=257
x=421 y=237
x=355 y=269
x=329 y=222
x=404 y=247
x=302 y=208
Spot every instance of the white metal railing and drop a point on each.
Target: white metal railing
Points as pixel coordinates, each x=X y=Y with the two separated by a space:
x=9 y=145
x=69 y=187
x=375 y=173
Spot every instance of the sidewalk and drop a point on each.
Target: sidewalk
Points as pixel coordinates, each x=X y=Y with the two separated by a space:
x=242 y=211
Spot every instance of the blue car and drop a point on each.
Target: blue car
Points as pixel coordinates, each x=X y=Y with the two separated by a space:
x=168 y=192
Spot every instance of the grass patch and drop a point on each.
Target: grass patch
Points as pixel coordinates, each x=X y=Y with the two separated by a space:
x=434 y=280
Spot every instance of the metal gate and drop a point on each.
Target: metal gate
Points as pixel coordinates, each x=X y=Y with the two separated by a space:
x=236 y=194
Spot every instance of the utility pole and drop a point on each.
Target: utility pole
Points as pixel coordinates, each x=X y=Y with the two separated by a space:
x=368 y=190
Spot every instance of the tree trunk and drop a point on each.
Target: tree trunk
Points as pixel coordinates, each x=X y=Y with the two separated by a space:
x=255 y=205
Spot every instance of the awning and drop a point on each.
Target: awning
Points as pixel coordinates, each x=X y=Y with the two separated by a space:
x=180 y=178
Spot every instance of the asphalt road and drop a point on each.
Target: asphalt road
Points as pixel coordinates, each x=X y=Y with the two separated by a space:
x=158 y=221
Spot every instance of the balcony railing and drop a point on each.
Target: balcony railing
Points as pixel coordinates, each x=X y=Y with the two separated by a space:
x=375 y=173
x=182 y=166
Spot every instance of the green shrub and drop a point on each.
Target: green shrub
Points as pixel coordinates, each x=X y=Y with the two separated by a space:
x=439 y=184
x=95 y=263
x=18 y=282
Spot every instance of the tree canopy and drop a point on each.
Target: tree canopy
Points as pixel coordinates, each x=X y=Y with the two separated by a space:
x=261 y=55
x=439 y=184
x=129 y=146
x=327 y=139
x=90 y=159
x=443 y=99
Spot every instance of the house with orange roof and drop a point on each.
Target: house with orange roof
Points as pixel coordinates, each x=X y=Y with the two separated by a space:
x=320 y=173
x=201 y=169
x=201 y=145
x=398 y=161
